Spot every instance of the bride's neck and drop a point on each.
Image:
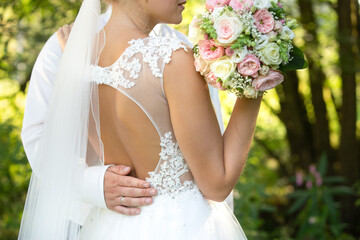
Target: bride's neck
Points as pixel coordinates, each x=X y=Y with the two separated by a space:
x=129 y=17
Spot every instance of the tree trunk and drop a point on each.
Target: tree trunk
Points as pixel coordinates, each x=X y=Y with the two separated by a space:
x=293 y=115
x=348 y=150
x=321 y=133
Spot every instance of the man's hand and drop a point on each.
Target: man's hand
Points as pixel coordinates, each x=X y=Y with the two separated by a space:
x=63 y=35
x=123 y=193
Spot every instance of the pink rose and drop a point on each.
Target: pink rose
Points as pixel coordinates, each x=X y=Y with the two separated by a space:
x=209 y=51
x=264 y=21
x=211 y=4
x=263 y=83
x=201 y=66
x=241 y=5
x=228 y=29
x=229 y=52
x=249 y=66
x=211 y=79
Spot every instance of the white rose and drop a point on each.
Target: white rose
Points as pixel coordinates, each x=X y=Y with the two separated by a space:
x=264 y=3
x=270 y=55
x=216 y=13
x=239 y=55
x=264 y=70
x=262 y=42
x=228 y=29
x=250 y=92
x=195 y=33
x=223 y=68
x=286 y=33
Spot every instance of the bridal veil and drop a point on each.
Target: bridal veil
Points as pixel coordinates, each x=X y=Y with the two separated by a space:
x=54 y=199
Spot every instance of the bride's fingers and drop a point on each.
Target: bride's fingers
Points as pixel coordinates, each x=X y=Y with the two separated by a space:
x=126 y=210
x=134 y=202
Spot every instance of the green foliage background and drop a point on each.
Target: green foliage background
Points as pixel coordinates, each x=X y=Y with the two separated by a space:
x=262 y=195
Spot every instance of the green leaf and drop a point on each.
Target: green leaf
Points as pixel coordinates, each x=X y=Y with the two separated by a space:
x=298 y=204
x=334 y=179
x=341 y=190
x=298 y=193
x=323 y=164
x=297 y=61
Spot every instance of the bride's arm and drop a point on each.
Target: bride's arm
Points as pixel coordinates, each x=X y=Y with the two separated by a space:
x=216 y=161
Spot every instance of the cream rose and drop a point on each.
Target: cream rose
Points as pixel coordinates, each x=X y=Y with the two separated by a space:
x=264 y=69
x=217 y=13
x=250 y=92
x=262 y=42
x=286 y=33
x=223 y=68
x=270 y=55
x=239 y=55
x=195 y=33
x=228 y=29
x=201 y=66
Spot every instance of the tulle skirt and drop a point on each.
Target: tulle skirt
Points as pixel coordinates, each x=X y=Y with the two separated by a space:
x=182 y=217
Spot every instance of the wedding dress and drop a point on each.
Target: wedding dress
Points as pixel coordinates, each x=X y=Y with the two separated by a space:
x=179 y=211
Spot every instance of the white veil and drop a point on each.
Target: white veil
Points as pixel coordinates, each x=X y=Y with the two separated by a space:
x=54 y=198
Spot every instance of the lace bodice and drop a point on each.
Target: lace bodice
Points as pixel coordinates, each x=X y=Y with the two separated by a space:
x=138 y=74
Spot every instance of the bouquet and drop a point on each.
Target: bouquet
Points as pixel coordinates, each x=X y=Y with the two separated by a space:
x=244 y=46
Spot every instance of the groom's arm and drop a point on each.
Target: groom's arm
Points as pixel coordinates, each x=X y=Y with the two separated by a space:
x=38 y=96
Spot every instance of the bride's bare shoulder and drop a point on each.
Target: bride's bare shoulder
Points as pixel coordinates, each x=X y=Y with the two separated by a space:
x=181 y=72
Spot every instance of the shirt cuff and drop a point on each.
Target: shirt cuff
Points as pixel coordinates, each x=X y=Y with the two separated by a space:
x=94 y=185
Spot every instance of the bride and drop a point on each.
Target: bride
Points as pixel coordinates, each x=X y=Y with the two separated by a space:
x=122 y=97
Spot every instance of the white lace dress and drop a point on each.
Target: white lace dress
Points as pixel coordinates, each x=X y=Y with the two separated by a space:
x=179 y=210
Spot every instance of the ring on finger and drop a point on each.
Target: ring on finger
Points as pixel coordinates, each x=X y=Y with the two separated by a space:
x=122 y=201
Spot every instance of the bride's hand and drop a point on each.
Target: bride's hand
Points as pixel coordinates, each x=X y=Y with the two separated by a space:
x=123 y=193
x=63 y=35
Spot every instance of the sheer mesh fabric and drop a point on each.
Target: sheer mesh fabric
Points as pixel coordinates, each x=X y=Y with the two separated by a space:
x=135 y=122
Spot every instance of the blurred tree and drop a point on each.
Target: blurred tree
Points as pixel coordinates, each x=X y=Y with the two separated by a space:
x=313 y=112
x=348 y=155
x=308 y=122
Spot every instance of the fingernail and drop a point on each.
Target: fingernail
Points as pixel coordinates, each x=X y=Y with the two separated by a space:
x=125 y=169
x=148 y=201
x=146 y=185
x=137 y=212
x=152 y=191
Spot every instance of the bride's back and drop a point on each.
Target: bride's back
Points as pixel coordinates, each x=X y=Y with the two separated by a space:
x=134 y=112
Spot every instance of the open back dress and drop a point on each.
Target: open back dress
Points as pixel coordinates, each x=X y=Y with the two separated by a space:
x=136 y=127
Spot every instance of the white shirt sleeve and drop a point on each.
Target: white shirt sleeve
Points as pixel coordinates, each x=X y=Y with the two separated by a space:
x=38 y=96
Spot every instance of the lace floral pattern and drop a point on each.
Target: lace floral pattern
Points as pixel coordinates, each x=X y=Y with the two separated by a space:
x=155 y=49
x=166 y=178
